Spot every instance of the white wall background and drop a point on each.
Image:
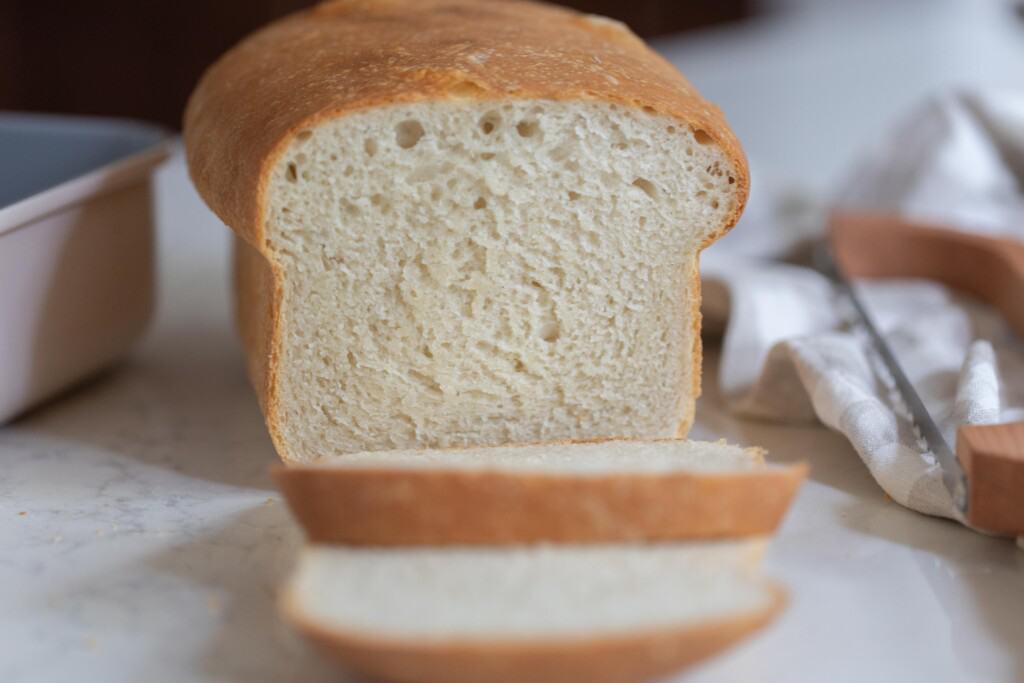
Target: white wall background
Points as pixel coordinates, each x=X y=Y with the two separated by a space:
x=813 y=81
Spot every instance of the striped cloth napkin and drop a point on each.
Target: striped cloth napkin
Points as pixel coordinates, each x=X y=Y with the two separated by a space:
x=792 y=348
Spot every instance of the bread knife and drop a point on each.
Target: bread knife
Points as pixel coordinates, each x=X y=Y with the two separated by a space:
x=985 y=474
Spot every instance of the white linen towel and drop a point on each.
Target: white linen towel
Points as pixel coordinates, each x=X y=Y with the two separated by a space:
x=792 y=349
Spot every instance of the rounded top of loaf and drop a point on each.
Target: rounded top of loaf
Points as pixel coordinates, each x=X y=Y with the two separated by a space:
x=348 y=55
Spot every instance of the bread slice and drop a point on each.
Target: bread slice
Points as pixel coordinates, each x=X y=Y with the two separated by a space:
x=577 y=493
x=463 y=222
x=595 y=614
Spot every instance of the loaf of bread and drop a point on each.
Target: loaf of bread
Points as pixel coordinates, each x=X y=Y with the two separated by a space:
x=558 y=614
x=463 y=222
x=615 y=491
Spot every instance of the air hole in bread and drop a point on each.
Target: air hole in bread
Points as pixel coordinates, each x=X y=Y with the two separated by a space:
x=561 y=152
x=292 y=174
x=408 y=133
x=527 y=129
x=550 y=331
x=702 y=137
x=370 y=146
x=670 y=130
x=647 y=187
x=348 y=171
x=426 y=382
x=573 y=196
x=487 y=156
x=425 y=172
x=490 y=122
x=650 y=110
x=304 y=135
x=480 y=203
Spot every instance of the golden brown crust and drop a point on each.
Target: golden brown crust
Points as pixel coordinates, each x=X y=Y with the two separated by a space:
x=350 y=55
x=625 y=658
x=257 y=295
x=411 y=506
x=254 y=310
x=689 y=408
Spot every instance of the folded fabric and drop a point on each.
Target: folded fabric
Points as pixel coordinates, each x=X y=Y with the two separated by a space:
x=793 y=350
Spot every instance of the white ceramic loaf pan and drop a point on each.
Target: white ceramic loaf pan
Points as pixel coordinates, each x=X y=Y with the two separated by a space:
x=76 y=249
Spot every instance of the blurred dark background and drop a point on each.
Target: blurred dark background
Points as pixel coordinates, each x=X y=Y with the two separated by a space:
x=141 y=58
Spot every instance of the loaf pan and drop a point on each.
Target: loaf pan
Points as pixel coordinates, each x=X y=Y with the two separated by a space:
x=76 y=249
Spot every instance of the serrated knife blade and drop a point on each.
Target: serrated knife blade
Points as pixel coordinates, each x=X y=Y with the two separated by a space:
x=953 y=475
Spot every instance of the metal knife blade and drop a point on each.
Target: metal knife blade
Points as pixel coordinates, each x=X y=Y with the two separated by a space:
x=953 y=475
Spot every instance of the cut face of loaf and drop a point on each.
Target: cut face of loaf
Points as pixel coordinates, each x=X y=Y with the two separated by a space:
x=614 y=491
x=461 y=273
x=597 y=615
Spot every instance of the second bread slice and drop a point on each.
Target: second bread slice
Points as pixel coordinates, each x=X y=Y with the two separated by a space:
x=553 y=614
x=610 y=491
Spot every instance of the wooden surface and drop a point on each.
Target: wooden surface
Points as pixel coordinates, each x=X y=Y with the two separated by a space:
x=993 y=456
x=879 y=245
x=990 y=268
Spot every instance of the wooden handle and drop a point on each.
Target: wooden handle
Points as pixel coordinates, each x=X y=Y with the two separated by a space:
x=993 y=457
x=879 y=245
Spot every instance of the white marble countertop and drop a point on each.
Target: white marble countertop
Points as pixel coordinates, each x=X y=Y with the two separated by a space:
x=141 y=539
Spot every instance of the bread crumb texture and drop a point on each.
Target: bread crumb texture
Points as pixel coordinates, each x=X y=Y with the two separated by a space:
x=474 y=272
x=504 y=595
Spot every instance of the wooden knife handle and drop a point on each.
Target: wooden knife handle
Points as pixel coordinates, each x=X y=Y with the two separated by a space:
x=879 y=245
x=990 y=268
x=993 y=458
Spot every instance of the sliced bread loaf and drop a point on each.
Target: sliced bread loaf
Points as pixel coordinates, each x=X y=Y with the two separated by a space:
x=597 y=614
x=579 y=493
x=463 y=222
